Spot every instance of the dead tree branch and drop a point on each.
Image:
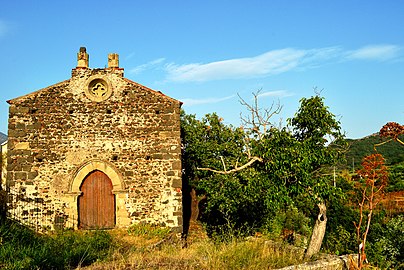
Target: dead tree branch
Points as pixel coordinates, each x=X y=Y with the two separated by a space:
x=259 y=120
x=235 y=169
x=258 y=123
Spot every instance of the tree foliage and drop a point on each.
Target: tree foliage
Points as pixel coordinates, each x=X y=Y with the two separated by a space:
x=249 y=174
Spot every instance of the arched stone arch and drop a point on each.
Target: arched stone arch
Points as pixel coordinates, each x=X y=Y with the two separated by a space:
x=118 y=184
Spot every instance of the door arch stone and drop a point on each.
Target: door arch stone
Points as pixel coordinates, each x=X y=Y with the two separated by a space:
x=118 y=189
x=118 y=184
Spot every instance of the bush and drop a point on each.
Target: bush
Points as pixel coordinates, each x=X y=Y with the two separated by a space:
x=234 y=204
x=290 y=219
x=386 y=244
x=340 y=241
x=340 y=237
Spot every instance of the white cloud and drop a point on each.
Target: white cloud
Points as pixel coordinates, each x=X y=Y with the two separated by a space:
x=193 y=102
x=375 y=52
x=269 y=63
x=278 y=94
x=272 y=62
x=150 y=65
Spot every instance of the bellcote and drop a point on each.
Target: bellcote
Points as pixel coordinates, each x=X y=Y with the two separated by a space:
x=82 y=58
x=83 y=64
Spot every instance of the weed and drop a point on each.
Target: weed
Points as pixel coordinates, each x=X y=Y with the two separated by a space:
x=135 y=249
x=24 y=249
x=148 y=231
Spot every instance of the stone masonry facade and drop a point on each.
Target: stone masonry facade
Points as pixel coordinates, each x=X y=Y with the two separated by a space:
x=96 y=120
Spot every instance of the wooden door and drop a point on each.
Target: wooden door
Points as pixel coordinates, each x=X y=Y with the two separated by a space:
x=97 y=202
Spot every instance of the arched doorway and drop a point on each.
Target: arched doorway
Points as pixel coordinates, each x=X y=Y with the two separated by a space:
x=97 y=202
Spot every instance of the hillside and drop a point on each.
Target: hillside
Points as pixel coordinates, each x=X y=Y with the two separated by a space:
x=393 y=152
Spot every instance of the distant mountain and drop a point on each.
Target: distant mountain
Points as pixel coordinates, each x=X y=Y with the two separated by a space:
x=392 y=151
x=3 y=137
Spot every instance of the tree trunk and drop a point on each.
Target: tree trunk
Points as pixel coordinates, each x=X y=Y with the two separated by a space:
x=318 y=231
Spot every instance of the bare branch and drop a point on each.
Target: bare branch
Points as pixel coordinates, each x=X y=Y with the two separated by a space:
x=224 y=165
x=236 y=169
x=259 y=121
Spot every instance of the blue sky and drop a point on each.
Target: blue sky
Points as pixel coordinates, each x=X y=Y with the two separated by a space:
x=206 y=53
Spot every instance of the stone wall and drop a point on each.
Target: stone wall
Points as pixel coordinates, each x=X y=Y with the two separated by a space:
x=134 y=134
x=331 y=262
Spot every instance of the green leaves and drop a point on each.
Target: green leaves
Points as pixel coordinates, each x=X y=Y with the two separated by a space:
x=207 y=142
x=313 y=121
x=296 y=160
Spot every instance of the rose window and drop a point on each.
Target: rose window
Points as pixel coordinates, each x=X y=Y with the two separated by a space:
x=98 y=89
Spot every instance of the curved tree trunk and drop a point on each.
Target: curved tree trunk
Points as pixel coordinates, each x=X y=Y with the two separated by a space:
x=318 y=231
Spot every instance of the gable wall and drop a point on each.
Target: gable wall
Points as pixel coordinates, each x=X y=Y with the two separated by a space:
x=53 y=132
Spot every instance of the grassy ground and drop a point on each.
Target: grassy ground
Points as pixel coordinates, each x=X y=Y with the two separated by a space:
x=140 y=252
x=139 y=247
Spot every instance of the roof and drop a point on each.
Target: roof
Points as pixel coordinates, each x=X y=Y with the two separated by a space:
x=3 y=138
x=11 y=101
x=151 y=90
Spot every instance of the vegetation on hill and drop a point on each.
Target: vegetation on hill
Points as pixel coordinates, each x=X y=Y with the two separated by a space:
x=393 y=152
x=365 y=190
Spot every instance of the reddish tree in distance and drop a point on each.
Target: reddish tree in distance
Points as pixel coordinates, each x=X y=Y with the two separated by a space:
x=375 y=176
x=391 y=130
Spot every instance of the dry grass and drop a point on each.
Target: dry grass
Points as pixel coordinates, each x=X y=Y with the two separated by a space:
x=137 y=252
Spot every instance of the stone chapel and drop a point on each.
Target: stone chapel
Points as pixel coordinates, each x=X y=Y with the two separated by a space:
x=95 y=151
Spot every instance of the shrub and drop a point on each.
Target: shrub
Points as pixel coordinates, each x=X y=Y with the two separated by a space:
x=387 y=244
x=340 y=241
x=290 y=219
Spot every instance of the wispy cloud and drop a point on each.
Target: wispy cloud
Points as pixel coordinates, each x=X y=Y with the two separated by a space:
x=278 y=94
x=150 y=65
x=193 y=102
x=272 y=62
x=375 y=52
x=130 y=56
x=276 y=62
x=267 y=64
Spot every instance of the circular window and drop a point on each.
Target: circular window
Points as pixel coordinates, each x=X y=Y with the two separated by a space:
x=98 y=89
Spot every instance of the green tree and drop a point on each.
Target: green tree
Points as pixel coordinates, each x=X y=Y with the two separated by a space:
x=300 y=157
x=208 y=143
x=322 y=141
x=266 y=167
